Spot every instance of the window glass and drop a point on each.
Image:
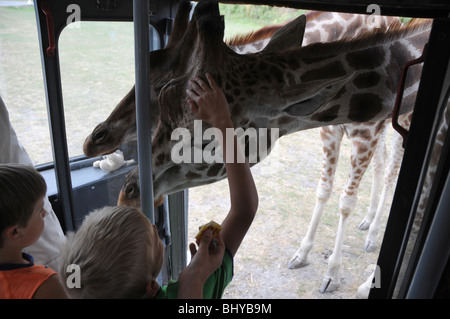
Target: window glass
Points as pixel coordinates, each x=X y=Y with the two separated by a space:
x=97 y=71
x=21 y=81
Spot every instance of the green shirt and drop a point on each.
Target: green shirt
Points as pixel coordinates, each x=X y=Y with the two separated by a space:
x=214 y=285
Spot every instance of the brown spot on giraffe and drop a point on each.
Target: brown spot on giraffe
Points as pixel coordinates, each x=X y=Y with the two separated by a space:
x=327 y=115
x=366 y=59
x=331 y=70
x=366 y=80
x=369 y=102
x=363 y=133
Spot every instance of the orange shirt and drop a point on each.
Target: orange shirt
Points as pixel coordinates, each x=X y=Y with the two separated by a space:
x=20 y=281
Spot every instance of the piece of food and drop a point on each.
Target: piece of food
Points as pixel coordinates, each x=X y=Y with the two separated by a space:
x=216 y=228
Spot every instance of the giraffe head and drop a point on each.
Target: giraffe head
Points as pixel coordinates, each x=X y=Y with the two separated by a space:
x=187 y=53
x=120 y=126
x=194 y=48
x=117 y=129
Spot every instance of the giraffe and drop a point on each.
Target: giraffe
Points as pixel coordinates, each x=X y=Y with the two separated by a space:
x=367 y=142
x=369 y=135
x=364 y=289
x=367 y=138
x=372 y=220
x=284 y=86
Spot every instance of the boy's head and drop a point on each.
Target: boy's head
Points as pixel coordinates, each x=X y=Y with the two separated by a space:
x=21 y=189
x=117 y=250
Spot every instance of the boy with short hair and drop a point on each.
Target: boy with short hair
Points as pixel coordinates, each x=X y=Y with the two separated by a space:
x=22 y=192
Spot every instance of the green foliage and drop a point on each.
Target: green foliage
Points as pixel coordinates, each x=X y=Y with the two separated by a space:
x=260 y=14
x=244 y=18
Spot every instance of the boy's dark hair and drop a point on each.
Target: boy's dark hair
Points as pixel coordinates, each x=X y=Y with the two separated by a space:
x=21 y=187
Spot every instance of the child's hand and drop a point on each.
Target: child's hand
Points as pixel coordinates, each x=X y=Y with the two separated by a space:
x=208 y=102
x=204 y=262
x=209 y=255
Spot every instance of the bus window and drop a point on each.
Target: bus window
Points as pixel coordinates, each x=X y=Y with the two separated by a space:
x=97 y=71
x=21 y=81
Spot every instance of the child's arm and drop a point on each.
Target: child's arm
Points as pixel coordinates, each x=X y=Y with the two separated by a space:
x=208 y=102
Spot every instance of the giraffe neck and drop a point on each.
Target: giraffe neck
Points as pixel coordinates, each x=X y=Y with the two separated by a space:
x=353 y=81
x=321 y=27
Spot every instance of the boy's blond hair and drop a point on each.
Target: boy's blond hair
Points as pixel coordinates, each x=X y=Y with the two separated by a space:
x=111 y=248
x=21 y=187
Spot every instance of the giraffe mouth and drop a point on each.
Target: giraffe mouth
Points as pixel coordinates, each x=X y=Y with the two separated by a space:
x=300 y=108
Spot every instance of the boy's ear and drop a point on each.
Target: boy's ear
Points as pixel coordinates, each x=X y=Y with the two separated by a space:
x=152 y=288
x=12 y=233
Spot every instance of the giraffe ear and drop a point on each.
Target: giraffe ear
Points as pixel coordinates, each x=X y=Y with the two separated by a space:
x=180 y=23
x=289 y=36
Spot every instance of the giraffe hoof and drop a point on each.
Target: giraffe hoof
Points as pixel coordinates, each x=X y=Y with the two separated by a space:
x=370 y=246
x=364 y=225
x=297 y=262
x=328 y=285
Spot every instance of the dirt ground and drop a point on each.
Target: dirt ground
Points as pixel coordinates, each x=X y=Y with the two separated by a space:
x=286 y=183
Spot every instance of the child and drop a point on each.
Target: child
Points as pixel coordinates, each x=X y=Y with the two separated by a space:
x=46 y=250
x=22 y=193
x=120 y=254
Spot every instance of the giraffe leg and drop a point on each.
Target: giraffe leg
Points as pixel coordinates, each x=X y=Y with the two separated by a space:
x=364 y=289
x=360 y=159
x=389 y=180
x=332 y=278
x=378 y=161
x=300 y=258
x=331 y=139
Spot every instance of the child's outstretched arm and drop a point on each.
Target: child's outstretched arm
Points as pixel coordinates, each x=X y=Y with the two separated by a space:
x=208 y=102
